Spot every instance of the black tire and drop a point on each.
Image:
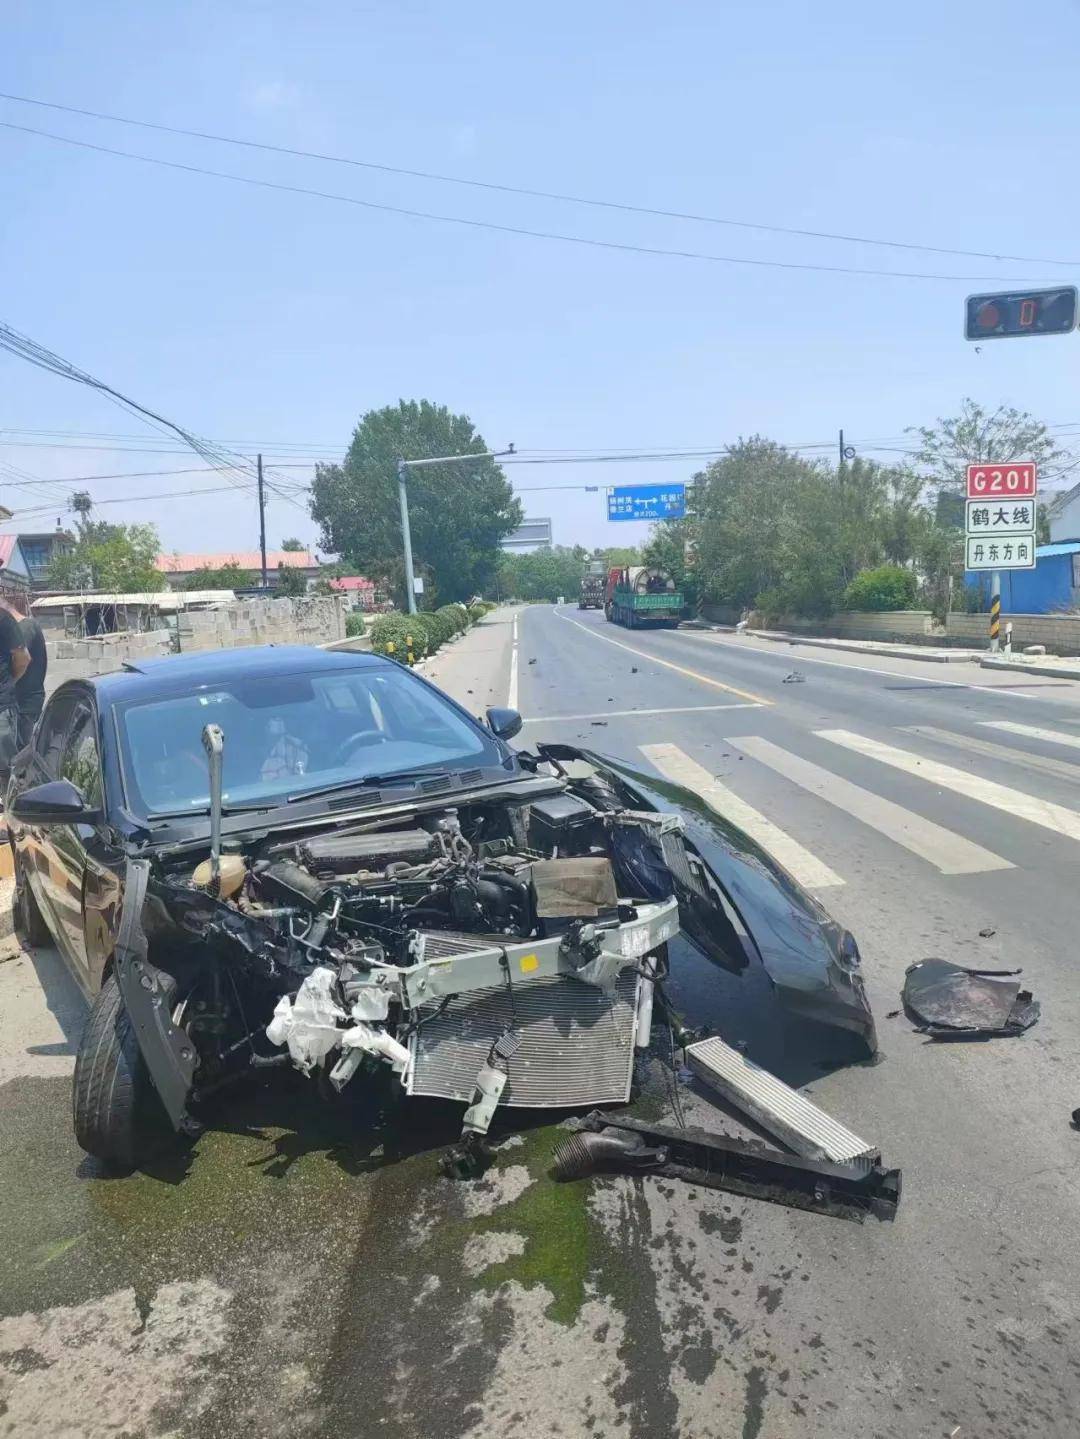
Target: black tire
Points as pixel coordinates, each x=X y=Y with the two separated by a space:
x=118 y=1116
x=28 y=920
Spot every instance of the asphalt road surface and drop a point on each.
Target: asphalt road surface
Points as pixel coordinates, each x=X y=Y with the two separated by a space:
x=304 y=1273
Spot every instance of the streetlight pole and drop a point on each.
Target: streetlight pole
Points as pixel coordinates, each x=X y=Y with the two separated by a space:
x=403 y=466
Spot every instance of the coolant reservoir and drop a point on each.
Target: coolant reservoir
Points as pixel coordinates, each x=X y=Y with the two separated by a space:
x=233 y=870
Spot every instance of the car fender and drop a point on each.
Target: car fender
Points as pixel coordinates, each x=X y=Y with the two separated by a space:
x=811 y=959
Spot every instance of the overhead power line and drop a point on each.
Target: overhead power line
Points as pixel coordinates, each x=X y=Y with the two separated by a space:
x=528 y=192
x=617 y=245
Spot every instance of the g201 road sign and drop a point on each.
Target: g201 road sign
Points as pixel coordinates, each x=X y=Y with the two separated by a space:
x=1010 y=481
x=646 y=502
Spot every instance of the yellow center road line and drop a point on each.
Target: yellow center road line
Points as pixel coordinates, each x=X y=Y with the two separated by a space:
x=668 y=664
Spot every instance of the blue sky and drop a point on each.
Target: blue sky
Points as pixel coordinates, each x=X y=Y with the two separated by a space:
x=260 y=318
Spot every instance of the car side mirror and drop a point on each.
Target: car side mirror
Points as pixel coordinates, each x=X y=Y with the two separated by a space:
x=503 y=723
x=58 y=801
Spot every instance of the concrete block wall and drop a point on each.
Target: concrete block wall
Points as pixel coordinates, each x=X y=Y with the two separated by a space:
x=1059 y=633
x=307 y=620
x=897 y=626
x=80 y=659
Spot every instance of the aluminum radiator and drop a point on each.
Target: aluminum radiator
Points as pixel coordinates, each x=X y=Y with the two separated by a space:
x=783 y=1111
x=577 y=1044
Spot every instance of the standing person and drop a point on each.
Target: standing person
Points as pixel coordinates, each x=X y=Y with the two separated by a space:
x=14 y=662
x=30 y=686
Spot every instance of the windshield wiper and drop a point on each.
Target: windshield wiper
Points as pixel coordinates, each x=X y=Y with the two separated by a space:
x=368 y=781
x=195 y=813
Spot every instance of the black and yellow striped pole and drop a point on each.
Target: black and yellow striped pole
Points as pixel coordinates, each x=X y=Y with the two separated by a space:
x=995 y=610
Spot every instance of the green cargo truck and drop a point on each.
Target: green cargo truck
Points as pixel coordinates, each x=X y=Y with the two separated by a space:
x=642 y=595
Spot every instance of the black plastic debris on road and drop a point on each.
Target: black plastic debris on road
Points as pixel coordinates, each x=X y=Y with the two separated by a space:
x=947 y=1001
x=794 y=678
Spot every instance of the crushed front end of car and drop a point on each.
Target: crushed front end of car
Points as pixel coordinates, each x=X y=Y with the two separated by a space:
x=499 y=951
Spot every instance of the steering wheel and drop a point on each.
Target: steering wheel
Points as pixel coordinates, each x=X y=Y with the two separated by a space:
x=354 y=741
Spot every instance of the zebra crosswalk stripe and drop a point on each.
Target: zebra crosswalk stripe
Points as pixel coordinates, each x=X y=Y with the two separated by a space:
x=1042 y=812
x=674 y=764
x=1032 y=731
x=948 y=852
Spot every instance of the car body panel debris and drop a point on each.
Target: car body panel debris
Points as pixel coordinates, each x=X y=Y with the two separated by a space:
x=613 y=1144
x=947 y=1001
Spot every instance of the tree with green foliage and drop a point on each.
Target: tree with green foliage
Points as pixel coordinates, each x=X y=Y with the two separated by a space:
x=543 y=574
x=980 y=436
x=120 y=559
x=886 y=587
x=291 y=581
x=620 y=556
x=293 y=547
x=458 y=513
x=224 y=577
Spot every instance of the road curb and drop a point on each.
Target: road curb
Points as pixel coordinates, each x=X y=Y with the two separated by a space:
x=1069 y=670
x=864 y=647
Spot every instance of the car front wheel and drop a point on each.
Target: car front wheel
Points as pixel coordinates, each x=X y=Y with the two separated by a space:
x=118 y=1116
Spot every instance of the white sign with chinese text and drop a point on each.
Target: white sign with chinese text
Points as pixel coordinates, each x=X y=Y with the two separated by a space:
x=988 y=553
x=996 y=518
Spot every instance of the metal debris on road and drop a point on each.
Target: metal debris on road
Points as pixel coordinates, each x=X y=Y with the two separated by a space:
x=605 y=1144
x=948 y=1001
x=796 y=677
x=987 y=933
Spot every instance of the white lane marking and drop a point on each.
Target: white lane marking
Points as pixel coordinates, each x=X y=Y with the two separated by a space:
x=948 y=852
x=1033 y=731
x=1013 y=801
x=624 y=714
x=678 y=767
x=1060 y=768
x=655 y=659
x=512 y=691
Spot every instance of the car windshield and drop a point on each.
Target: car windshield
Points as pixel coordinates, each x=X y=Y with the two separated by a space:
x=293 y=734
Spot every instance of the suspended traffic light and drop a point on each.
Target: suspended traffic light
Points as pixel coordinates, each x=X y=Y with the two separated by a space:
x=1020 y=312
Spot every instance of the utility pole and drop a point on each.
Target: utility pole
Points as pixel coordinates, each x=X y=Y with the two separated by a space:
x=262 y=521
x=403 y=467
x=406 y=538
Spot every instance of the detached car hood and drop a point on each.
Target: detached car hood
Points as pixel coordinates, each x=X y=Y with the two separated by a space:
x=811 y=959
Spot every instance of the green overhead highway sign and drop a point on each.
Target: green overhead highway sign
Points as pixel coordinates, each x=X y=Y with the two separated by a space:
x=1020 y=312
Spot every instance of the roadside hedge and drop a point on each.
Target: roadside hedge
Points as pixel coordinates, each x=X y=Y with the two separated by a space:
x=477 y=613
x=888 y=587
x=391 y=635
x=354 y=625
x=457 y=615
x=436 y=627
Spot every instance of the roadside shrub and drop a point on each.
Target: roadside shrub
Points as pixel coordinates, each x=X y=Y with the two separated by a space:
x=436 y=627
x=354 y=625
x=477 y=613
x=888 y=587
x=390 y=635
x=456 y=615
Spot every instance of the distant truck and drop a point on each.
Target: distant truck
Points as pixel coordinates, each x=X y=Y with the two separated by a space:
x=591 y=593
x=642 y=595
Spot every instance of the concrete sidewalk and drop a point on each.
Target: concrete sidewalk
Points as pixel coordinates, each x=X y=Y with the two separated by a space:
x=474 y=669
x=1062 y=666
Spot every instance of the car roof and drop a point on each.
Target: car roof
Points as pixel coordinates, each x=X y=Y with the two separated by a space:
x=146 y=677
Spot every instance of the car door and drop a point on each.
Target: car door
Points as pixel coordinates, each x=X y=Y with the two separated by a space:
x=34 y=843
x=75 y=845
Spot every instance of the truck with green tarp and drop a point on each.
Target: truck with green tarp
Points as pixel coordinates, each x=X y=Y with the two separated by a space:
x=643 y=595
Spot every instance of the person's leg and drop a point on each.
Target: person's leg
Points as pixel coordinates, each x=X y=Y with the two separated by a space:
x=29 y=712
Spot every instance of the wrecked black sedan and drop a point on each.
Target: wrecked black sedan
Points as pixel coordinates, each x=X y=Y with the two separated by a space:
x=291 y=856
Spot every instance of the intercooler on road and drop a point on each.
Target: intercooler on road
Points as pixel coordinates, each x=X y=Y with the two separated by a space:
x=577 y=1043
